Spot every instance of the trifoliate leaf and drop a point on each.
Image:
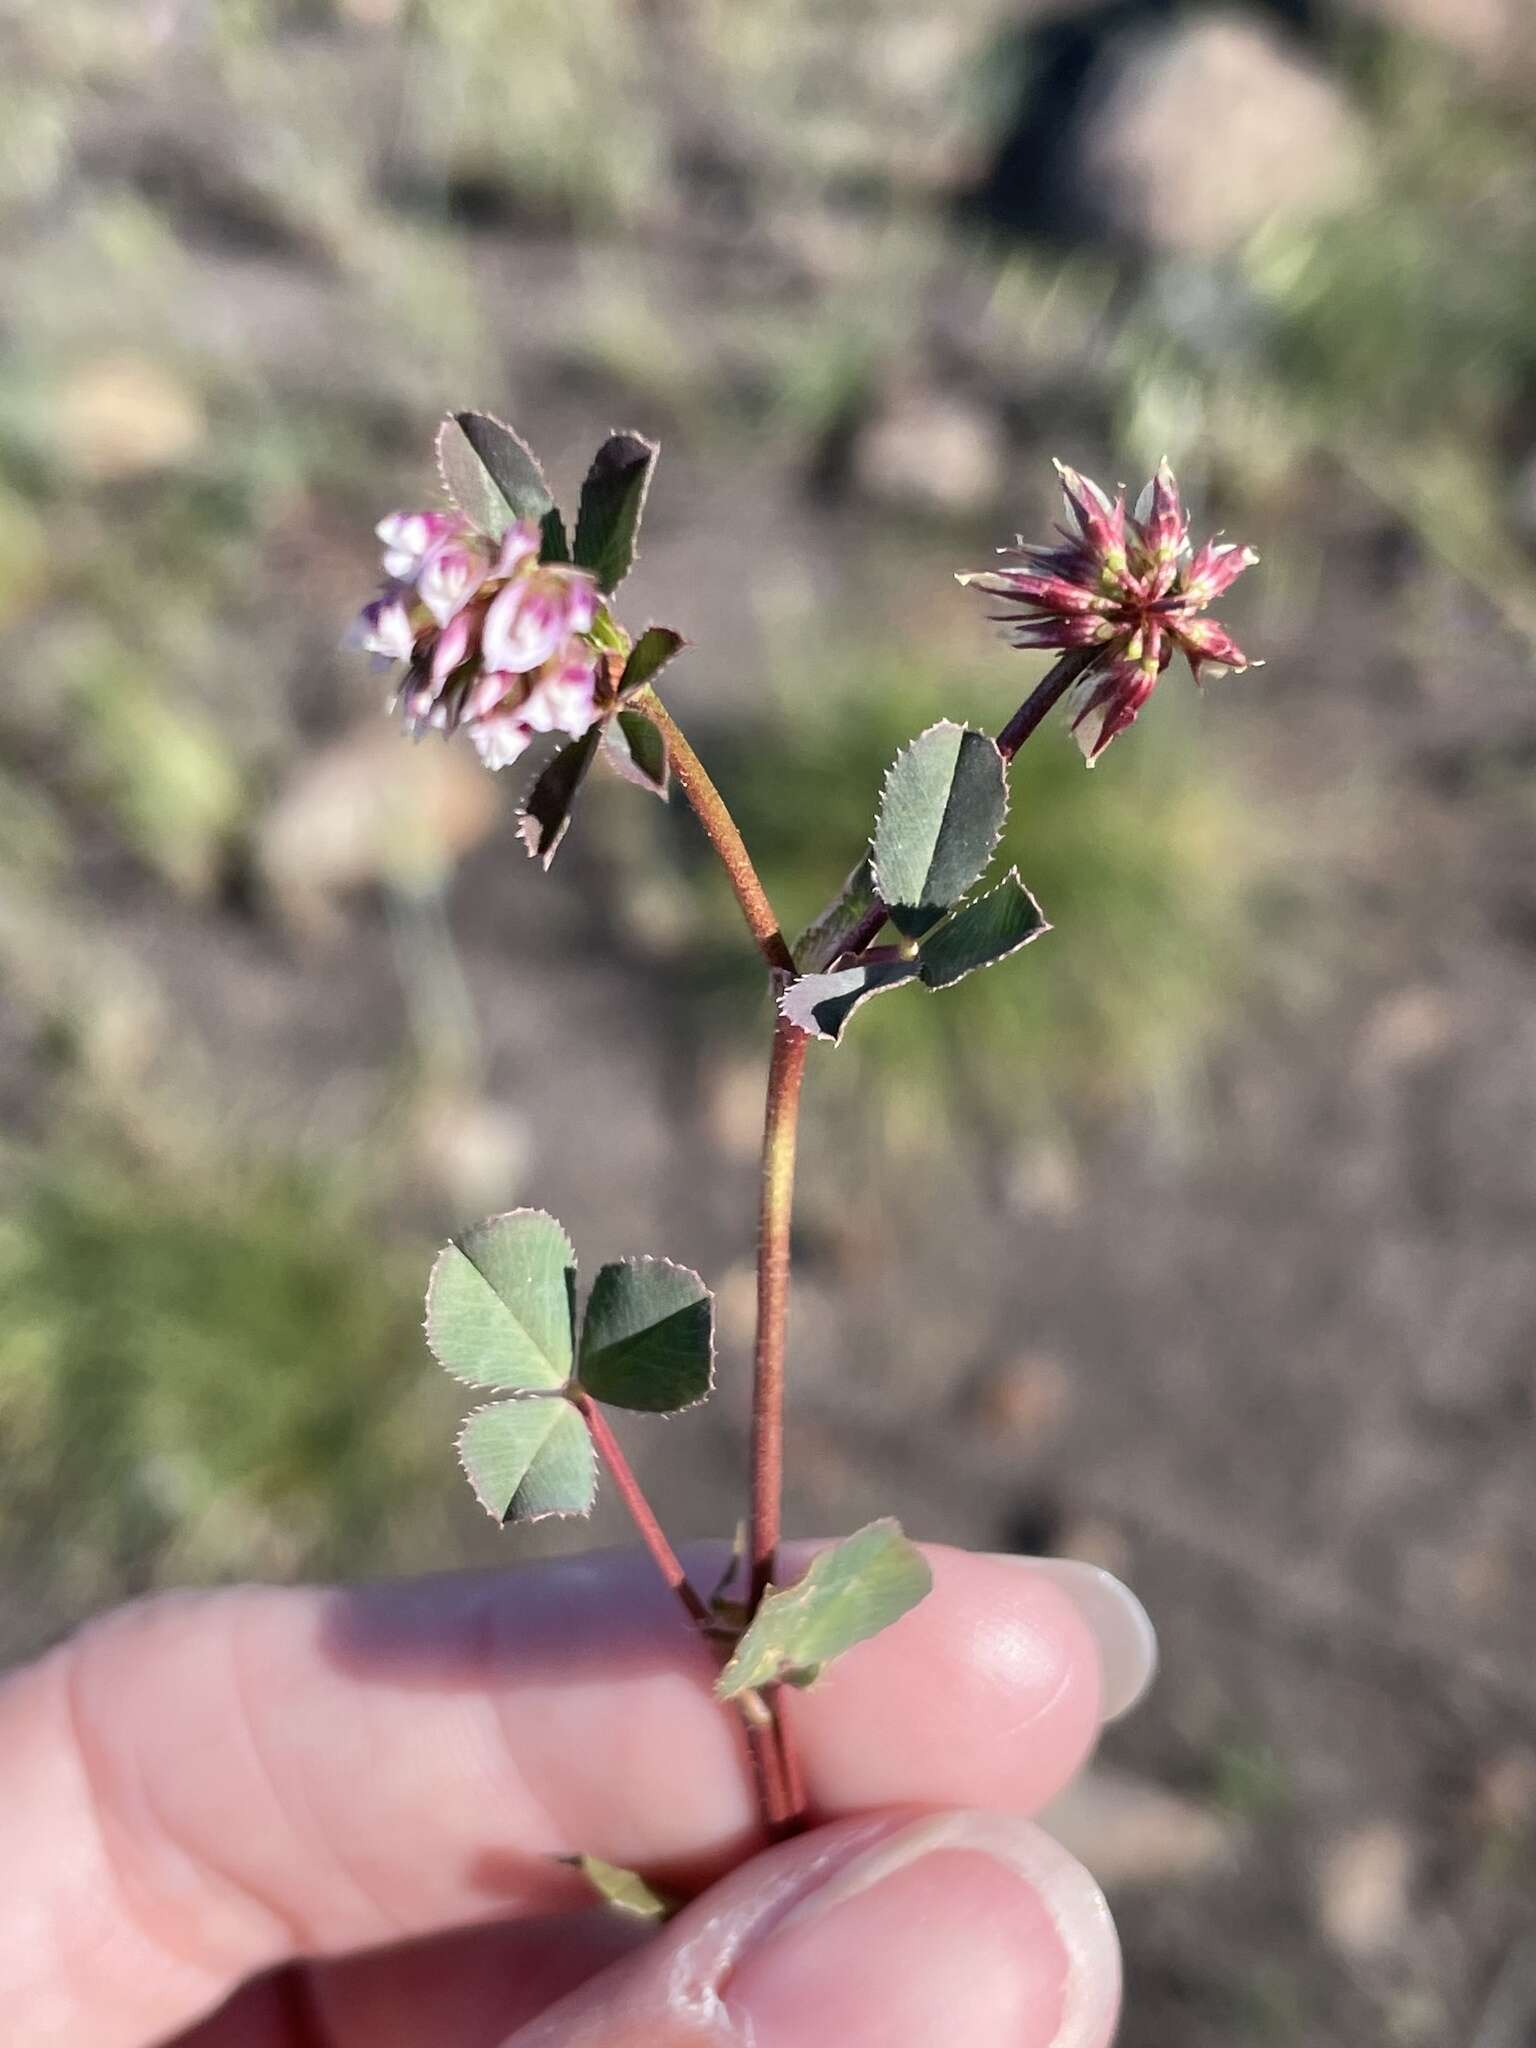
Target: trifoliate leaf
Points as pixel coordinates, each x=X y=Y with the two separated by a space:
x=500 y=1303
x=529 y=1457
x=493 y=477
x=634 y=748
x=941 y=814
x=648 y=1340
x=648 y=657
x=545 y=817
x=823 y=1003
x=980 y=933
x=851 y=1592
x=612 y=502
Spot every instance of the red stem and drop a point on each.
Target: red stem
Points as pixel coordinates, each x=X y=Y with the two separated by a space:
x=780 y=1789
x=781 y=1776
x=786 y=1071
x=710 y=808
x=652 y=1535
x=1043 y=699
x=780 y=1794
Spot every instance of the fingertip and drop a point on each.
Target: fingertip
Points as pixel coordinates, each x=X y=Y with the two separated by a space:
x=989 y=1692
x=1120 y=1626
x=965 y=1927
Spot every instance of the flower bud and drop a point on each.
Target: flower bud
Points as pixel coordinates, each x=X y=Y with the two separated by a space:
x=1128 y=589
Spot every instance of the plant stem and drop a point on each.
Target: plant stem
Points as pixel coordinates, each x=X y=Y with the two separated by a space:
x=1046 y=694
x=779 y=1796
x=786 y=1071
x=780 y=1793
x=720 y=829
x=780 y=1778
x=667 y=1561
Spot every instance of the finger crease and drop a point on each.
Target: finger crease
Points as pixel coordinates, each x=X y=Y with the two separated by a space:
x=133 y=1895
x=291 y=1792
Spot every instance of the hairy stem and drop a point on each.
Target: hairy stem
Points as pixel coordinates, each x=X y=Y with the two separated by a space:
x=1043 y=699
x=720 y=829
x=780 y=1787
x=775 y=1768
x=780 y=1773
x=786 y=1071
x=628 y=1487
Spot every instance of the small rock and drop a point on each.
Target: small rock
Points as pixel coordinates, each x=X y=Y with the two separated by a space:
x=1027 y=1400
x=1483 y=1580
x=1407 y=1028
x=660 y=918
x=1044 y=1180
x=1363 y=1890
x=1506 y=1791
x=474 y=1150
x=370 y=808
x=128 y=416
x=1092 y=1540
x=1128 y=1831
x=1198 y=135
x=929 y=452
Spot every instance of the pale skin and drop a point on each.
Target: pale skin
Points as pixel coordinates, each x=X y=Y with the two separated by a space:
x=310 y=1819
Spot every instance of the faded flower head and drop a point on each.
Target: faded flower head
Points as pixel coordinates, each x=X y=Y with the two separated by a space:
x=1128 y=589
x=493 y=638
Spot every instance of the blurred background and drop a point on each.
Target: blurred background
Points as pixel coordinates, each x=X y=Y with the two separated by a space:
x=1196 y=1242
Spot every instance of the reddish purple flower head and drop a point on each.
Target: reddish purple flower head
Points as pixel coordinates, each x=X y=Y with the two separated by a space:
x=493 y=638
x=1126 y=587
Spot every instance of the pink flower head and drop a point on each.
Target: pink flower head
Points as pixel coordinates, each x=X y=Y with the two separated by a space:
x=383 y=628
x=520 y=543
x=501 y=738
x=563 y=697
x=494 y=639
x=1124 y=589
x=409 y=537
x=449 y=576
x=536 y=612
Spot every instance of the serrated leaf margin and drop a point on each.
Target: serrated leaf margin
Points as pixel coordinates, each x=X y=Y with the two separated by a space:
x=653 y=455
x=783 y=1598
x=675 y=1266
x=456 y=418
x=974 y=903
x=939 y=725
x=543 y=1514
x=582 y=753
x=884 y=976
x=620 y=755
x=453 y=1245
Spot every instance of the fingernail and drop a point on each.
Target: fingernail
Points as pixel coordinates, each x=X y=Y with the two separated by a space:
x=967 y=1927
x=1120 y=1625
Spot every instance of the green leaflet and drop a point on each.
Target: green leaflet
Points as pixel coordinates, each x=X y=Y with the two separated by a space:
x=941 y=813
x=648 y=1340
x=852 y=1591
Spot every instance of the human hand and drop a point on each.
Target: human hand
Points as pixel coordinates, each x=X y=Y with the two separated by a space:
x=300 y=1819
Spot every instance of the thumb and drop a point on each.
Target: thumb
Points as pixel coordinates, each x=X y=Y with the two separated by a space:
x=891 y=1933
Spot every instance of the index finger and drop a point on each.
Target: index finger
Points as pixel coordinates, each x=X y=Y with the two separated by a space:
x=204 y=1785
